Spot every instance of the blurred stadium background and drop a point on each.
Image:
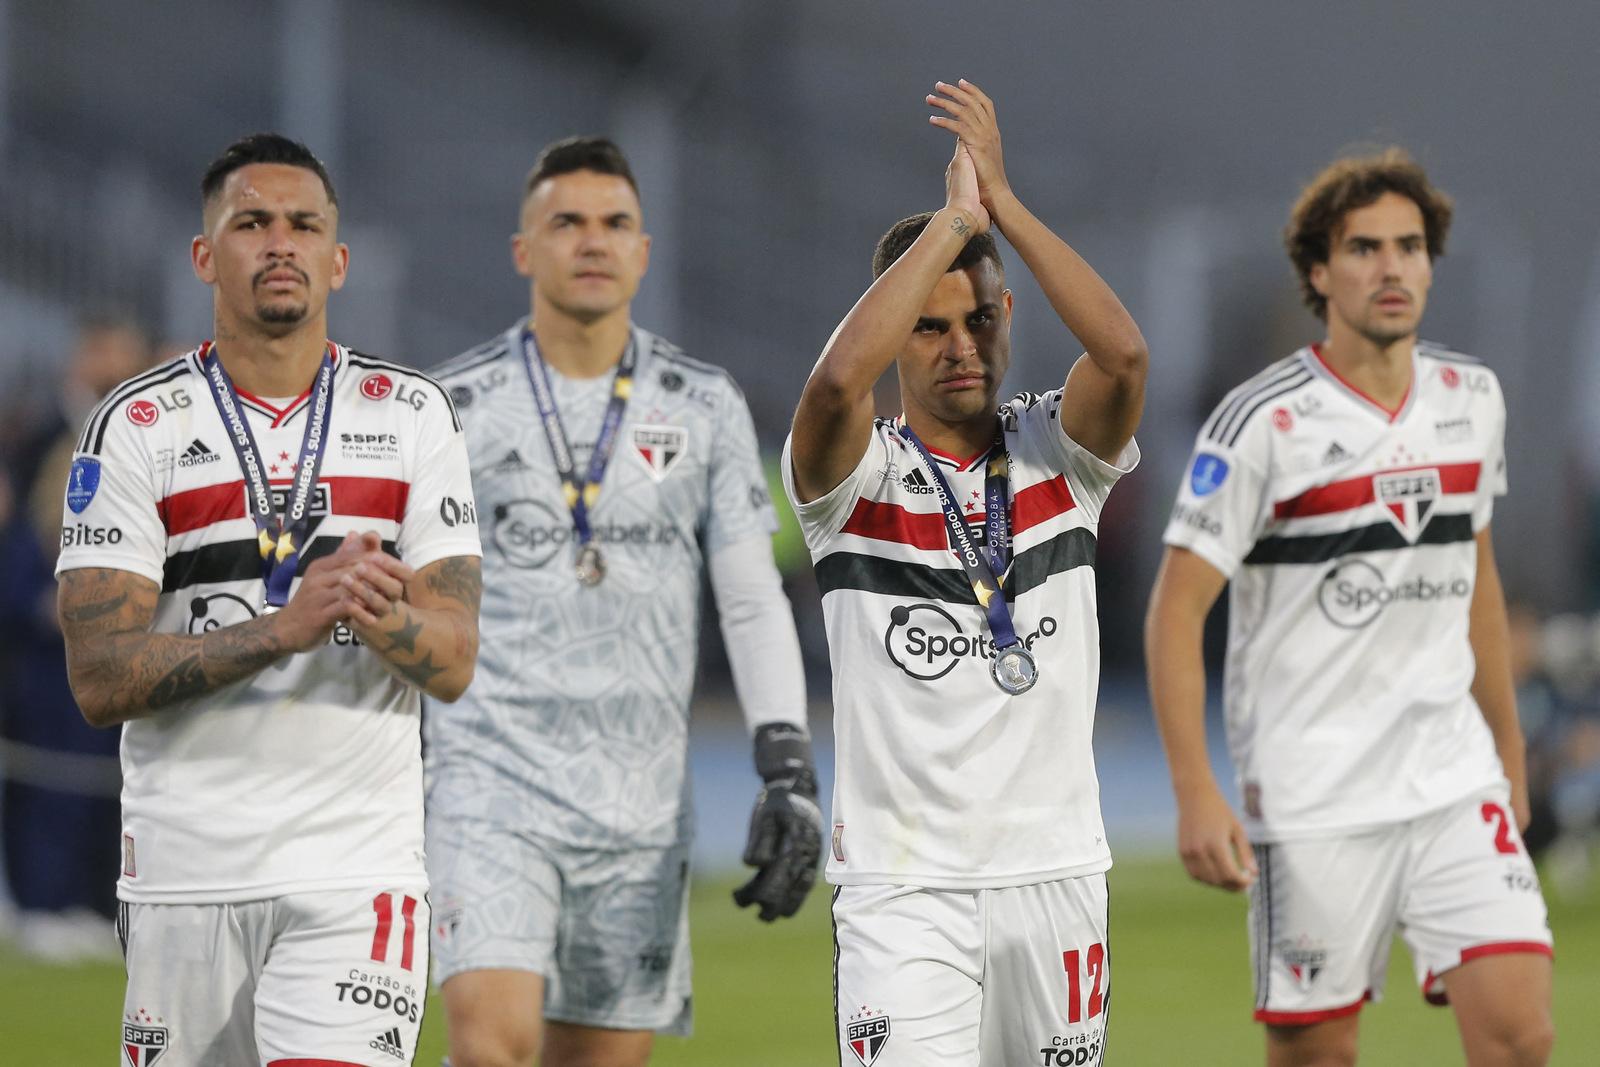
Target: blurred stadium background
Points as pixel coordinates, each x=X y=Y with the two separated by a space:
x=773 y=144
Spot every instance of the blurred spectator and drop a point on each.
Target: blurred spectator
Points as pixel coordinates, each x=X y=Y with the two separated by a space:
x=59 y=820
x=1556 y=668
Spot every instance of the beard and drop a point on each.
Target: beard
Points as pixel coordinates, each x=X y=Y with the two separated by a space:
x=281 y=314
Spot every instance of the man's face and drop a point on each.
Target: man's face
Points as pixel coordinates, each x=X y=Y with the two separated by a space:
x=271 y=248
x=958 y=351
x=1378 y=272
x=582 y=244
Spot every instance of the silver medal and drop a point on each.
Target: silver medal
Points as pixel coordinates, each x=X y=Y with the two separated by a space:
x=591 y=567
x=1014 y=669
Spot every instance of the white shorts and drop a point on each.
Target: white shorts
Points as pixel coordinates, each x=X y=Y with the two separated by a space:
x=609 y=931
x=334 y=978
x=1457 y=883
x=994 y=977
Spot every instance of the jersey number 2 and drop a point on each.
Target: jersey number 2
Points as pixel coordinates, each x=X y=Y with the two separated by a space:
x=383 y=905
x=1502 y=835
x=1094 y=962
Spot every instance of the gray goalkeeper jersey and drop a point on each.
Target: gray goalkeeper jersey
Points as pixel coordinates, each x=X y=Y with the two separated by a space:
x=575 y=727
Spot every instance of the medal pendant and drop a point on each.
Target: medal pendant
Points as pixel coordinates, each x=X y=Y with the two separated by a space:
x=1014 y=669
x=591 y=567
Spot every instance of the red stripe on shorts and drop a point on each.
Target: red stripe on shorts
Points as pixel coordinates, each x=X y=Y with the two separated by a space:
x=1306 y=1018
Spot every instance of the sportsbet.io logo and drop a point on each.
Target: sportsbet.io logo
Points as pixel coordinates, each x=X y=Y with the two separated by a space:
x=530 y=533
x=1354 y=592
x=926 y=642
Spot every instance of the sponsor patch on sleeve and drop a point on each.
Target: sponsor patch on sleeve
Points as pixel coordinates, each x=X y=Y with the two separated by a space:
x=1208 y=473
x=82 y=481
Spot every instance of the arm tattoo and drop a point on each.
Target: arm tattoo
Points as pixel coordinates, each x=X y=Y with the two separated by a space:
x=959 y=225
x=420 y=674
x=405 y=638
x=187 y=679
x=459 y=578
x=120 y=670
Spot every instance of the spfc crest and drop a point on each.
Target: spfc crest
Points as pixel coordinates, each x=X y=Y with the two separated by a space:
x=660 y=448
x=143 y=1045
x=1304 y=959
x=867 y=1037
x=1408 y=498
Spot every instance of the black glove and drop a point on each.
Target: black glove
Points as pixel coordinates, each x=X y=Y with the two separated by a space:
x=785 y=840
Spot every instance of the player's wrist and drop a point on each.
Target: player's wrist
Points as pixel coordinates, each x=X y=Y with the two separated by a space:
x=957 y=223
x=783 y=755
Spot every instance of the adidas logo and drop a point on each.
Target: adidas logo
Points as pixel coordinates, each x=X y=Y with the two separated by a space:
x=196 y=454
x=1334 y=454
x=389 y=1042
x=916 y=482
x=511 y=462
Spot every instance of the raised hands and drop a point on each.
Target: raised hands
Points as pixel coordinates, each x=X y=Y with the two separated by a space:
x=969 y=114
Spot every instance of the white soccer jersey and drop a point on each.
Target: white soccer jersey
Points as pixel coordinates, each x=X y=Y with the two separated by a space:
x=1347 y=531
x=576 y=726
x=308 y=775
x=941 y=779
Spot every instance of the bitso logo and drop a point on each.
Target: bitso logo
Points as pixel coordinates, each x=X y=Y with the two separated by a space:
x=1354 y=592
x=926 y=642
x=376 y=386
x=143 y=413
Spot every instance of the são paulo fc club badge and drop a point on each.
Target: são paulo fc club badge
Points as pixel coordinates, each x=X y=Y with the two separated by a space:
x=866 y=1034
x=142 y=1043
x=660 y=447
x=82 y=481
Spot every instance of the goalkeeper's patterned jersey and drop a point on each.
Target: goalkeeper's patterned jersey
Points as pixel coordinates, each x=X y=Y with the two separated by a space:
x=941 y=779
x=1348 y=533
x=576 y=726
x=307 y=775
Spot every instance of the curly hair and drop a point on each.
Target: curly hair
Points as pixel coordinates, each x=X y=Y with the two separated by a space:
x=1351 y=183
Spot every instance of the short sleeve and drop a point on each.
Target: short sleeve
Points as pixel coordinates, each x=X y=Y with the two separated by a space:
x=740 y=507
x=1492 y=482
x=1219 y=511
x=825 y=516
x=1090 y=477
x=441 y=516
x=111 y=514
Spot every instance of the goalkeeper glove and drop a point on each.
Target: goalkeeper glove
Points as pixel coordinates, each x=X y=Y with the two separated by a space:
x=785 y=839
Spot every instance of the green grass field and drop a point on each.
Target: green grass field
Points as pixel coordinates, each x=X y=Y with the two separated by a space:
x=762 y=994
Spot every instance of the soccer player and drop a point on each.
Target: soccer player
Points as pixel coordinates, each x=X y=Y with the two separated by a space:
x=258 y=575
x=954 y=547
x=1346 y=491
x=612 y=472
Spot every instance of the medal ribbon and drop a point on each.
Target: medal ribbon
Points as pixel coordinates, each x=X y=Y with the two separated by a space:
x=281 y=537
x=580 y=496
x=981 y=565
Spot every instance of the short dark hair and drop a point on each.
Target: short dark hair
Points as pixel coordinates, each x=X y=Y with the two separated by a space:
x=599 y=154
x=901 y=236
x=1356 y=182
x=262 y=148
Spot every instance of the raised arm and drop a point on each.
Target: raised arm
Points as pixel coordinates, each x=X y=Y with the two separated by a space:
x=833 y=422
x=120 y=671
x=1211 y=840
x=1104 y=395
x=425 y=626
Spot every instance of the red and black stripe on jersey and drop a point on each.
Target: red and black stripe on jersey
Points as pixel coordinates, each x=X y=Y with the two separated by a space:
x=883 y=521
x=240 y=560
x=1349 y=494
